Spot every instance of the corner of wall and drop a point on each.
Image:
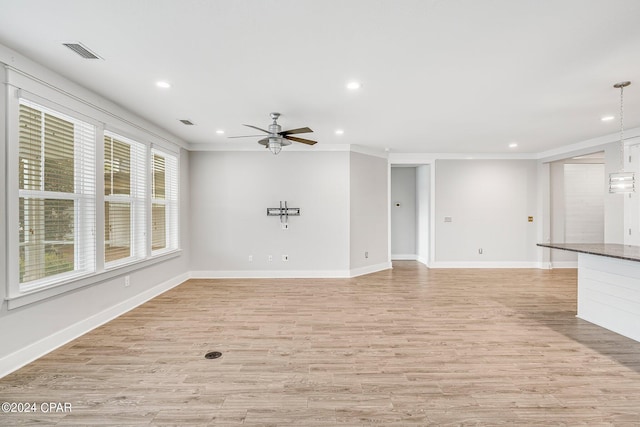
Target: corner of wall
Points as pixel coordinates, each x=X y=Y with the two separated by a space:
x=368 y=211
x=3 y=189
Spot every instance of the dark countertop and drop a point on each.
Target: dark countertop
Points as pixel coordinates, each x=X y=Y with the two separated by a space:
x=612 y=250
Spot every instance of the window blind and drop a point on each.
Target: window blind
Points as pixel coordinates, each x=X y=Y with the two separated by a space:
x=56 y=195
x=125 y=190
x=164 y=201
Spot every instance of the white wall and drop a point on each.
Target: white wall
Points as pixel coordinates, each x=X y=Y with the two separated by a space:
x=3 y=199
x=34 y=329
x=403 y=213
x=632 y=202
x=613 y=203
x=369 y=220
x=489 y=202
x=230 y=194
x=559 y=258
x=423 y=212
x=607 y=218
x=584 y=202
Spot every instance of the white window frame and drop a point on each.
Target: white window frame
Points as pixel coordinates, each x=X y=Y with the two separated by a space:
x=170 y=202
x=84 y=198
x=136 y=199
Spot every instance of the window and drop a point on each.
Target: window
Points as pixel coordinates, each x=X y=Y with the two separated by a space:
x=56 y=180
x=164 y=202
x=64 y=230
x=124 y=197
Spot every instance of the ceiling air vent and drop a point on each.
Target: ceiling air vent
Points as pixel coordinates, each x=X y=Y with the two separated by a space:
x=186 y=122
x=81 y=50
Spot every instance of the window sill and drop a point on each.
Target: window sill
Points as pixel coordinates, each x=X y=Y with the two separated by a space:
x=30 y=297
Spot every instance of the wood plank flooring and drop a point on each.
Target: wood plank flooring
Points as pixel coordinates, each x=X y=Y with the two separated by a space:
x=408 y=346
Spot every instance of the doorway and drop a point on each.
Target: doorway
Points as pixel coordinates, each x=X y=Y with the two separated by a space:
x=410 y=199
x=577 y=204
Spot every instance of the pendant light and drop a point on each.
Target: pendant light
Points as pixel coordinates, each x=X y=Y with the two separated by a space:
x=621 y=181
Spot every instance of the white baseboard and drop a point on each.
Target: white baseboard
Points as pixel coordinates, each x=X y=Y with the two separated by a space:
x=288 y=274
x=404 y=257
x=38 y=349
x=269 y=274
x=355 y=272
x=423 y=260
x=485 y=264
x=564 y=264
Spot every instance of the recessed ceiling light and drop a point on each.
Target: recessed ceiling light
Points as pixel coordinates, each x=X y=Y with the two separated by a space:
x=163 y=85
x=607 y=118
x=339 y=132
x=354 y=85
x=513 y=145
x=219 y=131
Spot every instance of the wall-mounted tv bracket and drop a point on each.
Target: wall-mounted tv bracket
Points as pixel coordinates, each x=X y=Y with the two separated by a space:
x=284 y=212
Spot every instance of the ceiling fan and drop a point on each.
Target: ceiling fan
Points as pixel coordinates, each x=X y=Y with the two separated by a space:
x=279 y=138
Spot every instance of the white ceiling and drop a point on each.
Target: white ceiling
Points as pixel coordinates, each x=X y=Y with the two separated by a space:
x=454 y=76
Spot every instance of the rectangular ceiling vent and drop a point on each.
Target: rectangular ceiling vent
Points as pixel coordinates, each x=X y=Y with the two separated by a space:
x=81 y=50
x=186 y=122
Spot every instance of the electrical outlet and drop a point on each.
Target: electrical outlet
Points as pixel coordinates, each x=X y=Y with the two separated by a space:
x=285 y=226
x=127 y=281
x=270 y=258
x=366 y=254
x=480 y=251
x=250 y=258
x=285 y=258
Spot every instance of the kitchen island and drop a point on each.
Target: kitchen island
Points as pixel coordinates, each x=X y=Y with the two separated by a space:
x=608 y=285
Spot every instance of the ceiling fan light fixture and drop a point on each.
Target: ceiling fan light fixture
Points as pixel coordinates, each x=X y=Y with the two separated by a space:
x=274 y=145
x=277 y=138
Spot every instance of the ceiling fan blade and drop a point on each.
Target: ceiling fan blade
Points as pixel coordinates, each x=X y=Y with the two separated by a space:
x=244 y=136
x=292 y=131
x=255 y=127
x=302 y=140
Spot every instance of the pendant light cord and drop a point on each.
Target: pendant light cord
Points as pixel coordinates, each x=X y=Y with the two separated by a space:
x=622 y=128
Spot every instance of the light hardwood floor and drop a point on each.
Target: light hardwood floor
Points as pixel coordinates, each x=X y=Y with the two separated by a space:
x=408 y=346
